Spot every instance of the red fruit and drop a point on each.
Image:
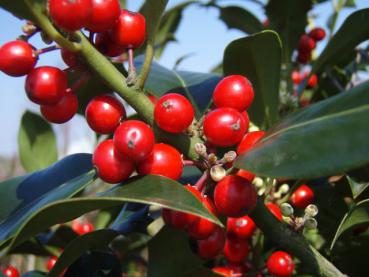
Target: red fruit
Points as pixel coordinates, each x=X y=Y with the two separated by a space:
x=304 y=57
x=274 y=209
x=224 y=127
x=134 y=140
x=11 y=271
x=235 y=249
x=50 y=263
x=105 y=14
x=240 y=269
x=317 y=34
x=266 y=22
x=70 y=15
x=46 y=85
x=130 y=30
x=104 y=113
x=234 y=196
x=105 y=45
x=62 y=111
x=152 y=98
x=313 y=81
x=173 y=113
x=302 y=197
x=249 y=140
x=241 y=227
x=280 y=264
x=203 y=228
x=70 y=58
x=306 y=44
x=82 y=228
x=212 y=246
x=224 y=271
x=296 y=77
x=17 y=58
x=164 y=160
x=180 y=220
x=235 y=92
x=110 y=167
x=246 y=174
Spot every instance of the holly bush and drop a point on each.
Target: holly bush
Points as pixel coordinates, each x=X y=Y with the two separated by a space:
x=259 y=168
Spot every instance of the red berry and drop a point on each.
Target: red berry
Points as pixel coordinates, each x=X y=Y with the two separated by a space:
x=180 y=220
x=317 y=34
x=134 y=140
x=234 y=196
x=296 y=77
x=82 y=228
x=17 y=58
x=70 y=15
x=302 y=197
x=62 y=111
x=110 y=167
x=313 y=81
x=241 y=227
x=224 y=271
x=50 y=263
x=246 y=118
x=249 y=140
x=235 y=92
x=304 y=57
x=70 y=58
x=246 y=174
x=106 y=46
x=203 y=228
x=266 y=22
x=104 y=113
x=11 y=271
x=224 y=127
x=235 y=249
x=173 y=113
x=105 y=14
x=164 y=160
x=130 y=30
x=212 y=246
x=280 y=264
x=274 y=209
x=46 y=85
x=152 y=98
x=306 y=44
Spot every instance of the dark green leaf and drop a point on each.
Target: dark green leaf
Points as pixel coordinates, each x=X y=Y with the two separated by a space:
x=170 y=255
x=197 y=87
x=20 y=192
x=91 y=241
x=350 y=3
x=352 y=32
x=289 y=19
x=258 y=57
x=356 y=217
x=241 y=19
x=327 y=138
x=37 y=142
x=18 y=8
x=149 y=189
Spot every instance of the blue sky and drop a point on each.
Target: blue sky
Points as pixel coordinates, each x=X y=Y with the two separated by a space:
x=200 y=33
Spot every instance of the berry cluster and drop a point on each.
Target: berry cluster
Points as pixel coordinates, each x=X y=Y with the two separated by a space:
x=307 y=44
x=117 y=31
x=10 y=271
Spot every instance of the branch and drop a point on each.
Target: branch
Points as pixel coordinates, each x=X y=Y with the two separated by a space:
x=153 y=10
x=294 y=243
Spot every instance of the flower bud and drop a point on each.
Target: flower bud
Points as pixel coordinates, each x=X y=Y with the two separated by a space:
x=258 y=182
x=212 y=158
x=230 y=156
x=284 y=188
x=310 y=223
x=311 y=210
x=286 y=209
x=217 y=173
x=200 y=149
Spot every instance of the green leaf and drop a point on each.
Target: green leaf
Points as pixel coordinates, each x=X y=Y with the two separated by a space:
x=97 y=240
x=14 y=224
x=352 y=32
x=37 y=142
x=327 y=138
x=18 y=192
x=239 y=18
x=197 y=87
x=289 y=19
x=258 y=57
x=356 y=217
x=149 y=189
x=357 y=189
x=17 y=8
x=170 y=255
